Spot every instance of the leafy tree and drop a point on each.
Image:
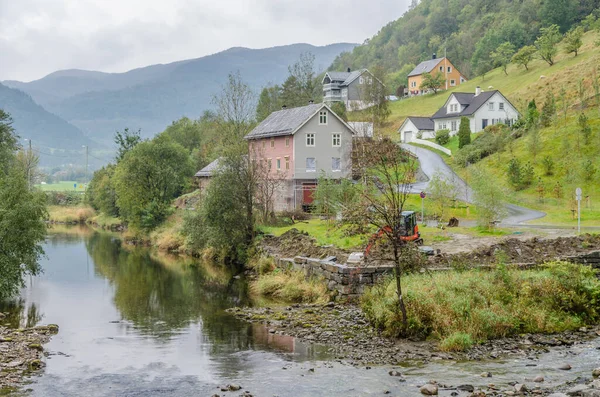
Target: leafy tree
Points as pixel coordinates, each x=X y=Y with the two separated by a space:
x=269 y=101
x=236 y=108
x=584 y=128
x=303 y=72
x=442 y=192
x=433 y=81
x=573 y=40
x=548 y=110
x=339 y=108
x=514 y=173
x=464 y=132
x=126 y=141
x=503 y=55
x=527 y=174
x=101 y=194
x=488 y=196
x=559 y=12
x=22 y=214
x=148 y=178
x=524 y=56
x=547 y=42
x=373 y=93
x=289 y=93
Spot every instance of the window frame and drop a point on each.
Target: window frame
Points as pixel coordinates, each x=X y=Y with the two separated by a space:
x=287 y=141
x=500 y=105
x=323 y=117
x=272 y=143
x=336 y=136
x=453 y=126
x=310 y=136
x=339 y=164
x=314 y=163
x=452 y=82
x=449 y=69
x=287 y=163
x=491 y=106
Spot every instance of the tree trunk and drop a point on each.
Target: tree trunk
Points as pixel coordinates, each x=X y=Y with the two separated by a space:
x=398 y=274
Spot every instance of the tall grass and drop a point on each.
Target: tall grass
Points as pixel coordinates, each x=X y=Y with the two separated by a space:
x=64 y=214
x=461 y=308
x=291 y=287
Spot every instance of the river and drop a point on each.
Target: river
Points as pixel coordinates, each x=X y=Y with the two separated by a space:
x=137 y=323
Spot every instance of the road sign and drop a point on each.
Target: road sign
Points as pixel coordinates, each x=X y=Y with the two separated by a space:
x=578 y=193
x=423 y=195
x=74 y=186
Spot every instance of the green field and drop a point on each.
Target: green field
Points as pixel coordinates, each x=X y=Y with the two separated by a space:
x=62 y=186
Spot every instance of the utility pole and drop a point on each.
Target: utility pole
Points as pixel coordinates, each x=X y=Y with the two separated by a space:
x=86 y=165
x=578 y=198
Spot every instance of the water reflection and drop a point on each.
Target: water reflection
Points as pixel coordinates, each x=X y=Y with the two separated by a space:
x=20 y=314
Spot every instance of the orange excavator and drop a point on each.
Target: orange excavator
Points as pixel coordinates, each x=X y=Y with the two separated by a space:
x=410 y=227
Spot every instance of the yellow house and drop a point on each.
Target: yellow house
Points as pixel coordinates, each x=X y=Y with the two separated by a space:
x=433 y=66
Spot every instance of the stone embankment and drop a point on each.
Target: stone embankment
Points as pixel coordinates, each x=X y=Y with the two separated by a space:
x=21 y=353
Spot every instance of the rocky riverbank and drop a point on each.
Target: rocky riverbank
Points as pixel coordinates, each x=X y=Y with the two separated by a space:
x=352 y=339
x=21 y=353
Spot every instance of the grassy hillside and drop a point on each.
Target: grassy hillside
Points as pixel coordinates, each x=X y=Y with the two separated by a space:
x=557 y=142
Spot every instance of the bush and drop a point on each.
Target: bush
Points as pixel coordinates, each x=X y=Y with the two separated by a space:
x=493 y=139
x=442 y=137
x=291 y=286
x=64 y=198
x=460 y=308
x=262 y=264
x=464 y=132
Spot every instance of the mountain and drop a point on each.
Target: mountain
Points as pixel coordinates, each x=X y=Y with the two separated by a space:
x=152 y=97
x=31 y=121
x=468 y=31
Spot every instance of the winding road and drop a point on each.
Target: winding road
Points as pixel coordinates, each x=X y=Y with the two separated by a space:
x=432 y=162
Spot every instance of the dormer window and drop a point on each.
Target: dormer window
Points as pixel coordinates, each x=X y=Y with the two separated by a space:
x=323 y=117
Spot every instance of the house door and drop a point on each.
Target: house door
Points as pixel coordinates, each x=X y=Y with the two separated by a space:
x=484 y=123
x=308 y=190
x=408 y=136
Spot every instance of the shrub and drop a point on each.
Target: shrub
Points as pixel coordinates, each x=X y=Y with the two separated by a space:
x=464 y=132
x=64 y=198
x=548 y=164
x=442 y=137
x=262 y=264
x=291 y=286
x=457 y=342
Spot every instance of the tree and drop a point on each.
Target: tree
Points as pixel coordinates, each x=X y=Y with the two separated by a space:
x=584 y=129
x=534 y=142
x=547 y=42
x=524 y=56
x=514 y=173
x=548 y=110
x=532 y=116
x=442 y=192
x=372 y=92
x=126 y=141
x=488 y=196
x=22 y=214
x=148 y=178
x=433 y=82
x=503 y=55
x=268 y=185
x=573 y=40
x=559 y=12
x=101 y=194
x=339 y=108
x=236 y=108
x=269 y=101
x=464 y=132
x=303 y=72
x=390 y=173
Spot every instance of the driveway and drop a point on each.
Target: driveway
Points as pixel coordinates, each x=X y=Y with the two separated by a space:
x=432 y=162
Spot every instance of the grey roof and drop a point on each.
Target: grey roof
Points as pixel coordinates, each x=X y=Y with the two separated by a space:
x=209 y=169
x=422 y=123
x=353 y=76
x=338 y=76
x=425 y=67
x=474 y=103
x=284 y=122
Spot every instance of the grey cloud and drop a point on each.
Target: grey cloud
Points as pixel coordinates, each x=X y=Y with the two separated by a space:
x=41 y=36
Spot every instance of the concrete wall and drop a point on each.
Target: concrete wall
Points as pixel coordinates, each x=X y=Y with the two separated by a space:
x=433 y=146
x=323 y=151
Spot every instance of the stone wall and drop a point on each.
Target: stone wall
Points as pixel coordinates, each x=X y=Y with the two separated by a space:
x=349 y=282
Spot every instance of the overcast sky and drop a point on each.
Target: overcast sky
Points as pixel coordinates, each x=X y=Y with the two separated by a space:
x=38 y=37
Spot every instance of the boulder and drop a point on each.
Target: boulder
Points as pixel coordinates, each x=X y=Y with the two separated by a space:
x=520 y=388
x=596 y=373
x=429 y=390
x=565 y=367
x=538 y=379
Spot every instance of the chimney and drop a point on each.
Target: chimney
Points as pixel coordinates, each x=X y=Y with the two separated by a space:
x=348 y=70
x=477 y=90
x=310 y=101
x=434 y=56
x=283 y=107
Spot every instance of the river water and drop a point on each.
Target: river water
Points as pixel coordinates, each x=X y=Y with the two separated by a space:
x=137 y=323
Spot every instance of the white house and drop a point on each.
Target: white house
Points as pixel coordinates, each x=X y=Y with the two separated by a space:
x=481 y=108
x=415 y=127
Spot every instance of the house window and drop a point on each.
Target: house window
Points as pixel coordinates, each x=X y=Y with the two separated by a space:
x=278 y=164
x=337 y=140
x=269 y=164
x=441 y=68
x=311 y=164
x=491 y=106
x=287 y=141
x=501 y=105
x=453 y=126
x=439 y=126
x=344 y=92
x=413 y=84
x=462 y=80
x=336 y=164
x=287 y=163
x=323 y=118
x=272 y=142
x=453 y=82
x=449 y=69
x=310 y=139
x=444 y=126
x=361 y=80
x=484 y=123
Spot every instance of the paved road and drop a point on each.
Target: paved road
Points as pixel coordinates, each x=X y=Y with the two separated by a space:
x=431 y=163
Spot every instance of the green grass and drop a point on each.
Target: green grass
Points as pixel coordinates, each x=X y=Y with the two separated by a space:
x=290 y=287
x=326 y=233
x=462 y=308
x=62 y=186
x=519 y=87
